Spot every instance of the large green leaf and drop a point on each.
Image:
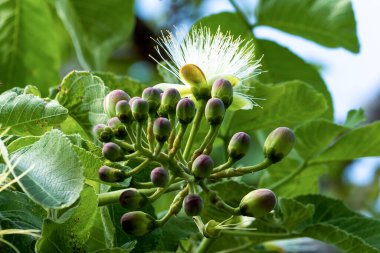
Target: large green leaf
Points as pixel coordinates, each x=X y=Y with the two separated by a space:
x=56 y=178
x=25 y=114
x=96 y=27
x=30 y=52
x=329 y=23
x=354 y=118
x=70 y=235
x=83 y=93
x=102 y=232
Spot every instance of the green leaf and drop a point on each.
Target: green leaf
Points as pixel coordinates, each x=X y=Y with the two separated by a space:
x=30 y=51
x=22 y=142
x=116 y=250
x=71 y=234
x=315 y=135
x=28 y=114
x=56 y=179
x=102 y=232
x=97 y=31
x=294 y=213
x=360 y=142
x=82 y=94
x=329 y=23
x=354 y=118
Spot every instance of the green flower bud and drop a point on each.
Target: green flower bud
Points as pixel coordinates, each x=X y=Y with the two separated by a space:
x=123 y=111
x=112 y=151
x=137 y=223
x=103 y=133
x=210 y=229
x=111 y=99
x=222 y=89
x=257 y=203
x=159 y=177
x=169 y=101
x=214 y=111
x=278 y=144
x=140 y=109
x=132 y=199
x=239 y=145
x=153 y=96
x=193 y=205
x=118 y=128
x=162 y=129
x=111 y=175
x=202 y=166
x=194 y=76
x=185 y=110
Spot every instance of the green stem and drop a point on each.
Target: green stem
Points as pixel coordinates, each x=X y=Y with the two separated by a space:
x=139 y=134
x=205 y=245
x=232 y=172
x=150 y=132
x=213 y=130
x=194 y=128
x=173 y=132
x=160 y=190
x=142 y=184
x=288 y=178
x=123 y=144
x=108 y=198
x=178 y=140
x=224 y=166
x=240 y=13
x=238 y=232
x=131 y=134
x=138 y=168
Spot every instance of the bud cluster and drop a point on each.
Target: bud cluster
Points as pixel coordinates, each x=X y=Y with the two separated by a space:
x=157 y=131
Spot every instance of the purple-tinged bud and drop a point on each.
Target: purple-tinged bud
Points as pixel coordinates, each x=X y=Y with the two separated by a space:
x=111 y=175
x=169 y=101
x=112 y=151
x=118 y=128
x=278 y=144
x=111 y=99
x=202 y=166
x=103 y=133
x=185 y=111
x=132 y=199
x=140 y=109
x=137 y=223
x=153 y=96
x=193 y=205
x=123 y=111
x=162 y=129
x=222 y=89
x=114 y=122
x=132 y=100
x=239 y=145
x=159 y=177
x=257 y=203
x=214 y=111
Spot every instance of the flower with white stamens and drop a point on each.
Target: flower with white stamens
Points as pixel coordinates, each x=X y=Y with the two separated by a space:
x=202 y=57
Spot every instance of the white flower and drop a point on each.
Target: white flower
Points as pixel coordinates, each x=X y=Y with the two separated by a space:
x=216 y=55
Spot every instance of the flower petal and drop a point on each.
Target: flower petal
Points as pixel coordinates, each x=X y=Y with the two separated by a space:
x=241 y=102
x=184 y=90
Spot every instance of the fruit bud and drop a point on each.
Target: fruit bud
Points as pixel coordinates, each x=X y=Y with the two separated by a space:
x=214 y=111
x=202 y=166
x=153 y=96
x=169 y=101
x=108 y=174
x=110 y=100
x=112 y=151
x=132 y=199
x=278 y=144
x=162 y=129
x=137 y=223
x=193 y=205
x=239 y=145
x=140 y=109
x=185 y=111
x=222 y=89
x=257 y=203
x=159 y=177
x=102 y=132
x=123 y=111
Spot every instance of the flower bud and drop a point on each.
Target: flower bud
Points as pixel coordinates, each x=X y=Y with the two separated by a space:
x=214 y=111
x=103 y=133
x=193 y=205
x=112 y=151
x=111 y=99
x=257 y=203
x=211 y=230
x=222 y=89
x=137 y=223
x=162 y=129
x=159 y=177
x=153 y=96
x=132 y=199
x=140 y=109
x=123 y=111
x=202 y=166
x=239 y=145
x=278 y=144
x=192 y=75
x=185 y=110
x=169 y=101
x=118 y=128
x=108 y=174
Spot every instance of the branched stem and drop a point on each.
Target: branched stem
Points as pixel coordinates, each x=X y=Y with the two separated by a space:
x=232 y=172
x=205 y=245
